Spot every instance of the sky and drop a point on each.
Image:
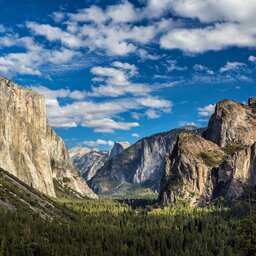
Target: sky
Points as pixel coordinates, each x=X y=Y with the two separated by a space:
x=123 y=70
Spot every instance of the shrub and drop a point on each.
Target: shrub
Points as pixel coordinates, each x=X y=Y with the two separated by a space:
x=66 y=180
x=212 y=158
x=231 y=149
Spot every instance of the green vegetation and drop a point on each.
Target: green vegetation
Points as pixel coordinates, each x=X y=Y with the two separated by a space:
x=107 y=227
x=213 y=158
x=16 y=196
x=231 y=149
x=63 y=191
x=131 y=191
x=246 y=235
x=216 y=158
x=124 y=227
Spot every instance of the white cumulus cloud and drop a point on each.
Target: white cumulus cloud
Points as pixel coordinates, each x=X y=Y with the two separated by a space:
x=252 y=58
x=206 y=110
x=232 y=66
x=108 y=125
x=98 y=142
x=215 y=37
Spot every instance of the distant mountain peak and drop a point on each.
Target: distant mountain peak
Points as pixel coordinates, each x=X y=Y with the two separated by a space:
x=138 y=165
x=118 y=148
x=189 y=127
x=81 y=150
x=89 y=160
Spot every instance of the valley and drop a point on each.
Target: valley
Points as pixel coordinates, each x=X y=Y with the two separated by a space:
x=149 y=198
x=110 y=227
x=128 y=128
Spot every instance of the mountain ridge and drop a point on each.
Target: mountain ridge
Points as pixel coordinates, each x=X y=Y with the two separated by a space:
x=138 y=165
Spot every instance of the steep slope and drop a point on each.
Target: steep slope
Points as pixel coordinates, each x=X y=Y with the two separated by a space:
x=17 y=196
x=199 y=170
x=236 y=173
x=23 y=136
x=190 y=170
x=137 y=166
x=62 y=168
x=79 y=151
x=29 y=148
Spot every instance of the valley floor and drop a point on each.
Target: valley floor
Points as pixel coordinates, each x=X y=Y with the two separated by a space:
x=33 y=224
x=107 y=227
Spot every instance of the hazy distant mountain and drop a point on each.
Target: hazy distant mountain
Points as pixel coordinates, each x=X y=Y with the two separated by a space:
x=89 y=160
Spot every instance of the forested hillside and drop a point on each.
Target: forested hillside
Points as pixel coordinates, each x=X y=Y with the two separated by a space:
x=107 y=227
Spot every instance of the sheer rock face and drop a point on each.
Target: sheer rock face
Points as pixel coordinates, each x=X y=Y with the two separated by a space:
x=186 y=175
x=118 y=148
x=29 y=148
x=23 y=133
x=201 y=169
x=236 y=172
x=138 y=165
x=232 y=123
x=62 y=167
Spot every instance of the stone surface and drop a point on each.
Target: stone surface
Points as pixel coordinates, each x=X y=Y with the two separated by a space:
x=221 y=163
x=23 y=136
x=62 y=167
x=232 y=122
x=187 y=177
x=236 y=173
x=117 y=148
x=138 y=165
x=29 y=148
x=252 y=102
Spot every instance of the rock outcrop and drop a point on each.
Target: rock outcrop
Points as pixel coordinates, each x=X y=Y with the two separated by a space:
x=62 y=167
x=29 y=148
x=140 y=165
x=221 y=163
x=190 y=170
x=232 y=122
x=236 y=173
x=252 y=102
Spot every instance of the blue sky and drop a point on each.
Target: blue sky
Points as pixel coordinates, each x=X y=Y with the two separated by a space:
x=123 y=70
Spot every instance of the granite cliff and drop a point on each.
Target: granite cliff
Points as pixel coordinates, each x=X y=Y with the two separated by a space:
x=138 y=166
x=231 y=123
x=221 y=162
x=117 y=148
x=29 y=148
